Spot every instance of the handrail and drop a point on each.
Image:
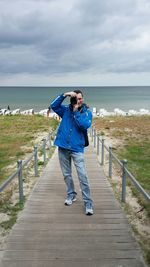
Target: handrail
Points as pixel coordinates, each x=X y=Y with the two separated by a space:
x=21 y=164
x=118 y=161
x=125 y=172
x=137 y=184
x=8 y=180
x=28 y=160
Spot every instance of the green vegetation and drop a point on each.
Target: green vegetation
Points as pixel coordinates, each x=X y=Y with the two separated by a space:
x=133 y=134
x=17 y=131
x=138 y=154
x=12 y=212
x=131 y=140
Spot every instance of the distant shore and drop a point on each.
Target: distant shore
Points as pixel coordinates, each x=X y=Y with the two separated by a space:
x=96 y=113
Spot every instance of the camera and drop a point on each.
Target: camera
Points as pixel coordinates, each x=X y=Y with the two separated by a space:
x=73 y=100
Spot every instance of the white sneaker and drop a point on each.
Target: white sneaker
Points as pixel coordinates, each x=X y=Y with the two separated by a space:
x=69 y=201
x=89 y=210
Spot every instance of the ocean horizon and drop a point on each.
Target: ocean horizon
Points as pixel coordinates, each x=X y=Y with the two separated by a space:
x=100 y=97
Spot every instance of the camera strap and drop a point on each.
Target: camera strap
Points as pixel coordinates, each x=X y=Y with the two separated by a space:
x=85 y=131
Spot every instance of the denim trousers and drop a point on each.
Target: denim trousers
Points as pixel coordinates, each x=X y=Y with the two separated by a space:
x=65 y=158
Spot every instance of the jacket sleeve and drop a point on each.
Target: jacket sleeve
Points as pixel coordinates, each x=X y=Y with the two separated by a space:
x=57 y=106
x=83 y=120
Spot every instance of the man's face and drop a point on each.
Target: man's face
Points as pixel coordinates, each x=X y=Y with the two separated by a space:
x=80 y=99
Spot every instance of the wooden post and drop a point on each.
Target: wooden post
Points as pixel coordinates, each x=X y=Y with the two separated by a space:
x=36 y=161
x=102 y=153
x=94 y=137
x=97 y=145
x=123 y=195
x=20 y=181
x=44 y=150
x=110 y=161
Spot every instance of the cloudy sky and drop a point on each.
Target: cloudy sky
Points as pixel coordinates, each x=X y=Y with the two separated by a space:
x=74 y=42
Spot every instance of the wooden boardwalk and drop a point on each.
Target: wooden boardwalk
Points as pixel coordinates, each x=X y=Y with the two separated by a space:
x=50 y=234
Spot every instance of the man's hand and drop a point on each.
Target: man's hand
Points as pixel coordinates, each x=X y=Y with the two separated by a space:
x=75 y=107
x=70 y=94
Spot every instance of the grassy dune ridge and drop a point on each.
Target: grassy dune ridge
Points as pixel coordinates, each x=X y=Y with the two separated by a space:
x=18 y=135
x=130 y=138
x=18 y=131
x=133 y=135
x=133 y=143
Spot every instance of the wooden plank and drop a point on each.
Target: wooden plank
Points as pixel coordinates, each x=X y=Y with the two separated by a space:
x=74 y=263
x=58 y=237
x=60 y=232
x=78 y=253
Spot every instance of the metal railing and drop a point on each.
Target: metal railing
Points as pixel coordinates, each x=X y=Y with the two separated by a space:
x=21 y=164
x=122 y=163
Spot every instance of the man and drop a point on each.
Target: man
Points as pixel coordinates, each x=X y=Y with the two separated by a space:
x=70 y=139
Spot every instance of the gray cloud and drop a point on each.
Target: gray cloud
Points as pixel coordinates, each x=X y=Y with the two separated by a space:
x=71 y=36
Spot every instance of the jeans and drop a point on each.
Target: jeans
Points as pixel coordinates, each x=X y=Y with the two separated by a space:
x=65 y=159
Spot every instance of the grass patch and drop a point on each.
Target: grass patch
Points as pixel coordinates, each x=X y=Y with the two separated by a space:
x=137 y=153
x=12 y=212
x=134 y=133
x=40 y=163
x=17 y=131
x=17 y=137
x=20 y=153
x=130 y=137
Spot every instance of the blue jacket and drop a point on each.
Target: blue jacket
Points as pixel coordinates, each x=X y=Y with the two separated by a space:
x=73 y=125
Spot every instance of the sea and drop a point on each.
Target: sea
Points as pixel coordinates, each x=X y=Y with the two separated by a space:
x=107 y=97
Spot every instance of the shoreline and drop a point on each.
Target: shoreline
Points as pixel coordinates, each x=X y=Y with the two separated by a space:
x=96 y=113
